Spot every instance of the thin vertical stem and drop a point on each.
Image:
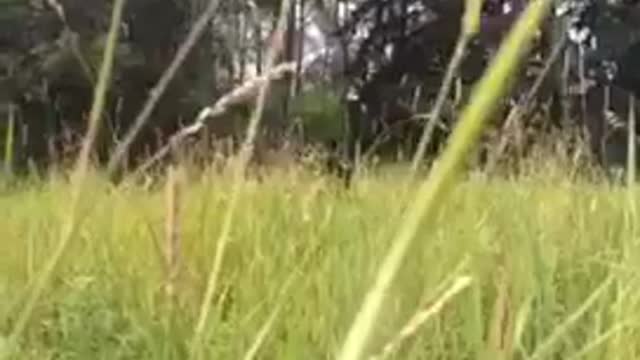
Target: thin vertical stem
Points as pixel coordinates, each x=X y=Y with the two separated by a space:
x=238 y=167
x=9 y=140
x=158 y=90
x=79 y=176
x=172 y=232
x=631 y=139
x=484 y=99
x=470 y=27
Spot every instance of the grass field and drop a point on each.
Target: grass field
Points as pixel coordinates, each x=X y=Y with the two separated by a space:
x=543 y=266
x=550 y=264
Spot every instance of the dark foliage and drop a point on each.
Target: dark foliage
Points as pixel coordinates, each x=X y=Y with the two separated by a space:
x=51 y=61
x=604 y=36
x=408 y=43
x=407 y=46
x=396 y=51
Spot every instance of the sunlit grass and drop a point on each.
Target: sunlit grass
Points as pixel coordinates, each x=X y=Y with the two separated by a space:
x=301 y=255
x=75 y=196
x=538 y=267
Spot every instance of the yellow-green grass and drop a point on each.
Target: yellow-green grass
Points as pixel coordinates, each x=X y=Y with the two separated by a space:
x=540 y=268
x=537 y=249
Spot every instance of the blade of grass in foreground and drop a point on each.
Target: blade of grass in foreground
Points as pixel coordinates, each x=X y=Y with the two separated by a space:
x=238 y=166
x=485 y=97
x=79 y=177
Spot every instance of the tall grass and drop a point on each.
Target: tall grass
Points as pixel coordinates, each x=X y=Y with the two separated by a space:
x=484 y=100
x=79 y=176
x=275 y=268
x=301 y=254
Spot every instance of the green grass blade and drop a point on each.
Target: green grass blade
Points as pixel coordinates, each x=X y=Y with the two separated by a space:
x=80 y=174
x=484 y=100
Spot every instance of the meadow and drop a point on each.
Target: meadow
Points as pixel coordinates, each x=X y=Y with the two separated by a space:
x=291 y=264
x=542 y=267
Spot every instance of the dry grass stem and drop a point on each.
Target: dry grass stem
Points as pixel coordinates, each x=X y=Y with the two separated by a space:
x=420 y=318
x=243 y=94
x=158 y=90
x=470 y=27
x=238 y=180
x=172 y=232
x=631 y=141
x=79 y=175
x=500 y=342
x=521 y=109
